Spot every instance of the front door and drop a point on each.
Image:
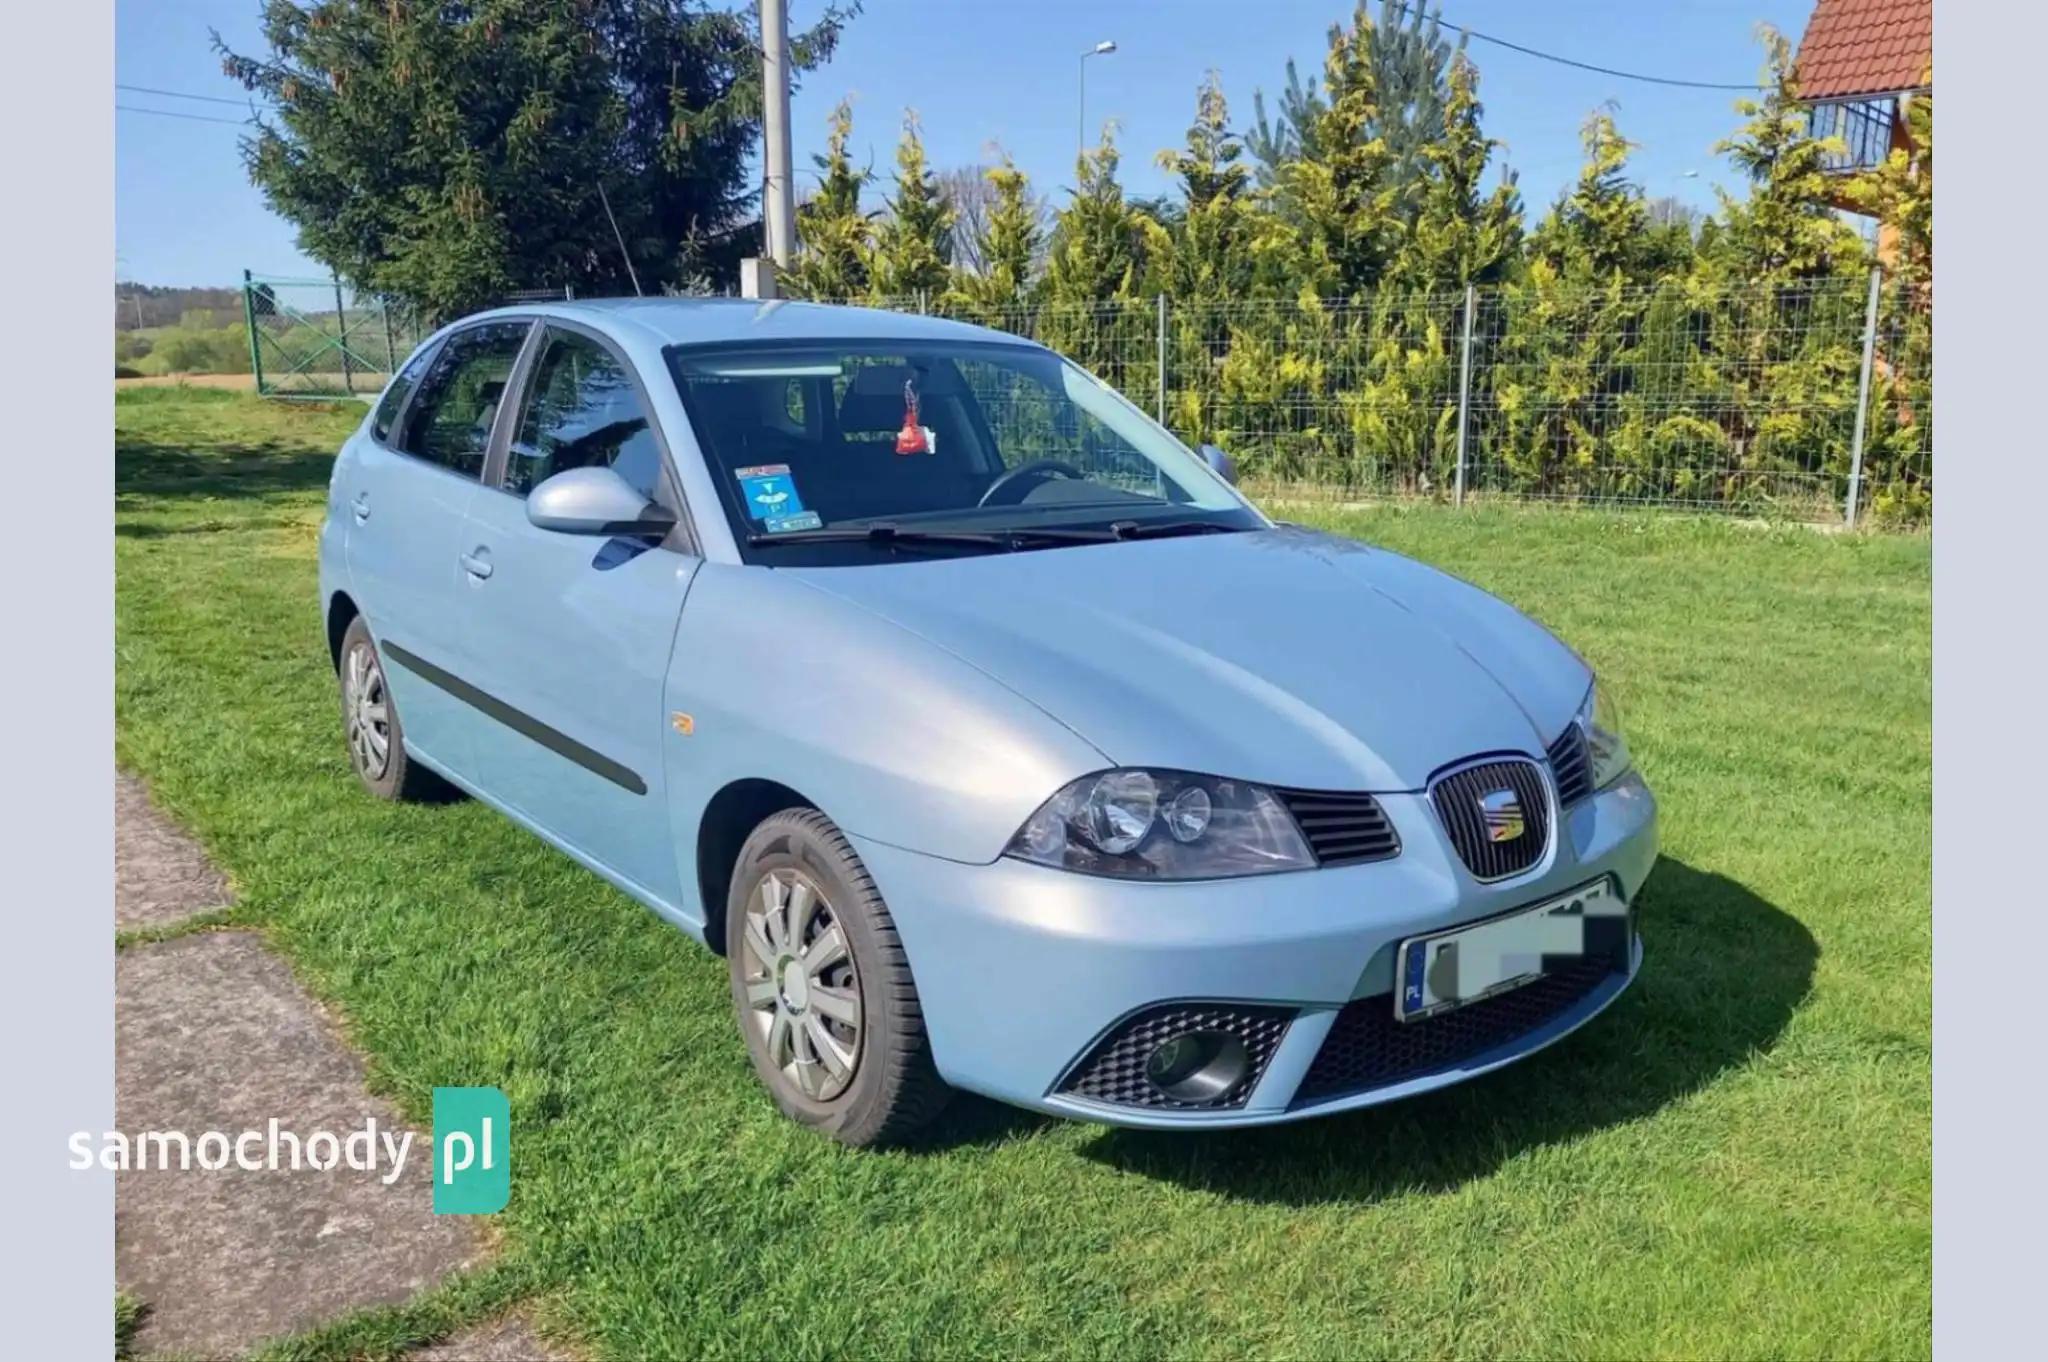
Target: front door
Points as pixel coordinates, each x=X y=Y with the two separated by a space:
x=572 y=633
x=409 y=498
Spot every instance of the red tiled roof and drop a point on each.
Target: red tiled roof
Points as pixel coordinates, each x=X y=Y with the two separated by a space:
x=1865 y=47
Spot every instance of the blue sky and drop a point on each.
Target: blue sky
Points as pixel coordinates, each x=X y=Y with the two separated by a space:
x=991 y=72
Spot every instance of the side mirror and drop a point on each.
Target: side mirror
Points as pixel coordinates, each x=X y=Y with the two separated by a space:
x=1220 y=463
x=594 y=500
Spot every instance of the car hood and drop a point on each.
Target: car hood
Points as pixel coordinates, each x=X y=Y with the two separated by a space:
x=1285 y=655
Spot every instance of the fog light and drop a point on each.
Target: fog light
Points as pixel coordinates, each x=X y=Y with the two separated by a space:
x=1198 y=1067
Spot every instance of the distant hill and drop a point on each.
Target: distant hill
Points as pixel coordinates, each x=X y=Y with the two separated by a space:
x=139 y=307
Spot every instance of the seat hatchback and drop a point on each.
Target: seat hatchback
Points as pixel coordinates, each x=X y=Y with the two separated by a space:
x=988 y=733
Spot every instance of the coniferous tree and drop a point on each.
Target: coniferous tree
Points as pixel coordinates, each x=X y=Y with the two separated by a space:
x=1594 y=233
x=1462 y=234
x=446 y=162
x=1007 y=245
x=914 y=244
x=1208 y=263
x=1209 y=257
x=1411 y=65
x=1096 y=268
x=1786 y=228
x=1342 y=207
x=837 y=238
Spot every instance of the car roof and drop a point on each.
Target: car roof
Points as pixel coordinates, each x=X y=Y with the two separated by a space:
x=726 y=321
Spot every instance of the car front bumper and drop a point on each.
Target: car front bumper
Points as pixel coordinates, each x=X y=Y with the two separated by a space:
x=1023 y=969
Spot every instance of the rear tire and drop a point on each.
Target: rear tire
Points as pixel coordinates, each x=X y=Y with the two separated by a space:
x=371 y=726
x=822 y=987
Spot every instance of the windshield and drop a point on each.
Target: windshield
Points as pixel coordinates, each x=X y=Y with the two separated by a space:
x=955 y=447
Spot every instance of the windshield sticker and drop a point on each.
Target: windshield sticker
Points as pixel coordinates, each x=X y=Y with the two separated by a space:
x=783 y=524
x=770 y=492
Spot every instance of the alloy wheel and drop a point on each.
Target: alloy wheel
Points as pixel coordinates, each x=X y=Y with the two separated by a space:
x=367 y=709
x=803 y=992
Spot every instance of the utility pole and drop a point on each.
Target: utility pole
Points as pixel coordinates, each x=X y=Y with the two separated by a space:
x=778 y=201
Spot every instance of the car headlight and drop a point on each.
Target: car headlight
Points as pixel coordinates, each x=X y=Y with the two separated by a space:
x=1605 y=744
x=1162 y=825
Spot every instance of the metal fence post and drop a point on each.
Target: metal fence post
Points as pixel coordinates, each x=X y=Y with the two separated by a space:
x=348 y=375
x=249 y=320
x=1162 y=358
x=1464 y=396
x=1862 y=400
x=390 y=342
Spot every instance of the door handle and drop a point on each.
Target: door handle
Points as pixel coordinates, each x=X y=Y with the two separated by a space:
x=361 y=507
x=478 y=564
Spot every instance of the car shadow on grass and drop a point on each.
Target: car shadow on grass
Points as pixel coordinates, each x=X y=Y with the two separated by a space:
x=150 y=469
x=1723 y=973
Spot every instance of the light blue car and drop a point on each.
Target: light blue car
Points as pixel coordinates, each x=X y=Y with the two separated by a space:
x=993 y=738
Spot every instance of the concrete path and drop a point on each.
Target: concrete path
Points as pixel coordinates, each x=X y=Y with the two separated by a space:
x=212 y=1033
x=160 y=874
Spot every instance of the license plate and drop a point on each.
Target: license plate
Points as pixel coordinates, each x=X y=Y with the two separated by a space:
x=1453 y=968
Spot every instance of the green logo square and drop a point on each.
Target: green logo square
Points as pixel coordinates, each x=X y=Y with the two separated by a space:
x=472 y=1157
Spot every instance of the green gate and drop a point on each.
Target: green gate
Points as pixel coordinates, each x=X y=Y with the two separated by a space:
x=313 y=339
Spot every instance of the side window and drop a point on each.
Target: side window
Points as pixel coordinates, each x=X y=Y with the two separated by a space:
x=394 y=396
x=450 y=421
x=582 y=411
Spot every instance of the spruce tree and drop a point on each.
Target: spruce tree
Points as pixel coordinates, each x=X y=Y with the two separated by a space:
x=445 y=157
x=914 y=245
x=1411 y=64
x=836 y=237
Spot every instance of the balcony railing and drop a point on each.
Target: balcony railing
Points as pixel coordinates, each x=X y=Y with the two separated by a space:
x=1864 y=127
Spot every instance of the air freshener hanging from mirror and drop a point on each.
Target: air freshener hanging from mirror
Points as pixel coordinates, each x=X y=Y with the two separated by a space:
x=913 y=438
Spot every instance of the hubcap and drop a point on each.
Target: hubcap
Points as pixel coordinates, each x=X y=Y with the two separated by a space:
x=367 y=710
x=803 y=993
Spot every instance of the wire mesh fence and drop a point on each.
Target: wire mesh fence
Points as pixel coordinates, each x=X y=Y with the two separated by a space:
x=1678 y=394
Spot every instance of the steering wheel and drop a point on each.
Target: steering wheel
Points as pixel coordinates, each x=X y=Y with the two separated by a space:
x=1038 y=470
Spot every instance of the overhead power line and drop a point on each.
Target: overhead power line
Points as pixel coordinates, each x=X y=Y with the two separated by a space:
x=180 y=94
x=193 y=118
x=1749 y=87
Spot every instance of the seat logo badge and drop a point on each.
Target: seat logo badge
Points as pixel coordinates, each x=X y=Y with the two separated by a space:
x=682 y=723
x=1501 y=812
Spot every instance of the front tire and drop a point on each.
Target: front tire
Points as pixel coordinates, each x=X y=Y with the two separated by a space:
x=369 y=717
x=822 y=987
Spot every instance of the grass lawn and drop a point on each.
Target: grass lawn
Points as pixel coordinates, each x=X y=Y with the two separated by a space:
x=1733 y=1162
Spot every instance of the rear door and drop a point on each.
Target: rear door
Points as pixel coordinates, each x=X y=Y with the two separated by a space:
x=410 y=498
x=571 y=633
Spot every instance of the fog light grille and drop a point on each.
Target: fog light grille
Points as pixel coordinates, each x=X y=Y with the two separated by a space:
x=1114 y=1071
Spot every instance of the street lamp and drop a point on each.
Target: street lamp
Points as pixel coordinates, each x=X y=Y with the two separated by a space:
x=1101 y=49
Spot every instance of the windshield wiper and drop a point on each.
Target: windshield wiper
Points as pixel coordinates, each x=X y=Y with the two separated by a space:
x=1010 y=538
x=1126 y=529
x=884 y=534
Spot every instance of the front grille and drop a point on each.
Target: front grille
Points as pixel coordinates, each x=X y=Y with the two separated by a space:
x=1571 y=766
x=1457 y=798
x=1367 y=1048
x=1114 y=1070
x=1342 y=828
